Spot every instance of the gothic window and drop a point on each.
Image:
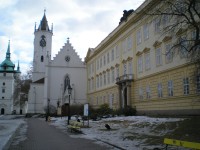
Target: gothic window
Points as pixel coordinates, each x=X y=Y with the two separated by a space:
x=66 y=82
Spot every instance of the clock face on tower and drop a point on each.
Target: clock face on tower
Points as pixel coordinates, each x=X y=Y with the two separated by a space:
x=43 y=41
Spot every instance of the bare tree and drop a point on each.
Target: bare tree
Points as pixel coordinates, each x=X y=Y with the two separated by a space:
x=179 y=18
x=22 y=86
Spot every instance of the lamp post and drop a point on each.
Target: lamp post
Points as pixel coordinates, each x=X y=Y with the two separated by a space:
x=69 y=92
x=48 y=106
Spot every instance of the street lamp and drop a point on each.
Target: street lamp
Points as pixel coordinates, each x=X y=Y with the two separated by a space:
x=48 y=106
x=69 y=92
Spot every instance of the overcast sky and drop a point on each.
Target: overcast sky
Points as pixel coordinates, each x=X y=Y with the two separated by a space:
x=85 y=22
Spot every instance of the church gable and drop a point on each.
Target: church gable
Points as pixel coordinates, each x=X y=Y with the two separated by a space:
x=67 y=56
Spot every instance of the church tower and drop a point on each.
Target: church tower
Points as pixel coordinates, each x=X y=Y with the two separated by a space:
x=42 y=48
x=9 y=95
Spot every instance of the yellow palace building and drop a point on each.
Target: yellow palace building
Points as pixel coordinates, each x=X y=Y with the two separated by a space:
x=136 y=65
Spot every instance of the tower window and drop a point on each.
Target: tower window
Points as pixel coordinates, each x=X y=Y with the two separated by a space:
x=42 y=58
x=3 y=90
x=4 y=83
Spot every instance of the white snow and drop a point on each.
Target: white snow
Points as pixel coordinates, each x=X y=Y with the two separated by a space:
x=138 y=128
x=8 y=126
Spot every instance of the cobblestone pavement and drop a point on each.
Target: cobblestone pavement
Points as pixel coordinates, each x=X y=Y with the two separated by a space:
x=41 y=136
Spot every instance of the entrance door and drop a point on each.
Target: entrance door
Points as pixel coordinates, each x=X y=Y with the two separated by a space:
x=2 y=111
x=125 y=97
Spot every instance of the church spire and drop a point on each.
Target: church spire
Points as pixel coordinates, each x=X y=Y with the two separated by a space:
x=8 y=51
x=44 y=23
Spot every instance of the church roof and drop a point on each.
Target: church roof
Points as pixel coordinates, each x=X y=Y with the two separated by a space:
x=40 y=81
x=44 y=24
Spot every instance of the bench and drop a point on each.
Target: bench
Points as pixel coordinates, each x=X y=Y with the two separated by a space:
x=75 y=126
x=193 y=145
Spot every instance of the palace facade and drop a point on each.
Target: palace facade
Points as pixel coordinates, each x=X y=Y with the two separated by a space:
x=137 y=65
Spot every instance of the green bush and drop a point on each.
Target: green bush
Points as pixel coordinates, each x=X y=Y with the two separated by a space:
x=103 y=110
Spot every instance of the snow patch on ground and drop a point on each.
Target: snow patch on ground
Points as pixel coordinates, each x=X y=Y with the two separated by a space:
x=8 y=126
x=126 y=132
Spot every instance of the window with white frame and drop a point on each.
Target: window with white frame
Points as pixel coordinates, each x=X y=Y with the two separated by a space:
x=158 y=56
x=198 y=83
x=112 y=55
x=170 y=88
x=101 y=80
x=117 y=51
x=111 y=100
x=183 y=47
x=104 y=60
x=165 y=18
x=108 y=77
x=92 y=83
x=130 y=67
x=148 y=92
x=124 y=45
x=129 y=43
x=113 y=75
x=146 y=31
x=160 y=94
x=93 y=67
x=147 y=61
x=97 y=78
x=108 y=57
x=157 y=25
x=186 y=89
x=117 y=72
x=169 y=53
x=97 y=64
x=140 y=93
x=100 y=62
x=140 y=64
x=139 y=37
x=104 y=79
x=125 y=69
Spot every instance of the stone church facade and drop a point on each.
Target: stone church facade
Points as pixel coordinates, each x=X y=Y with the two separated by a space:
x=52 y=77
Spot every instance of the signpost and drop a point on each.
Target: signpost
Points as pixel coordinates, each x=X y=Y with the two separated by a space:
x=86 y=112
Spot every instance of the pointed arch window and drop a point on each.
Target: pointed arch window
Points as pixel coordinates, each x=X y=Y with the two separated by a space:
x=66 y=82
